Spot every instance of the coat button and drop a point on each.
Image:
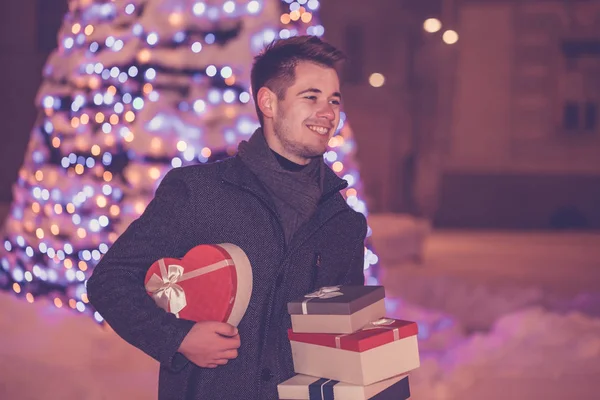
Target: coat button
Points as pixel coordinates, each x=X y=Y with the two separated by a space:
x=266 y=374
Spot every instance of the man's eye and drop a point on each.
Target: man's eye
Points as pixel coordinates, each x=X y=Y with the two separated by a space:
x=336 y=102
x=311 y=97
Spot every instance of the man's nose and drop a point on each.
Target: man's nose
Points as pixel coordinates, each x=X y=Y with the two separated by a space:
x=326 y=112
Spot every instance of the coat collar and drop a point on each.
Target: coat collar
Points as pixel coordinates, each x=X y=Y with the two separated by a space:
x=235 y=172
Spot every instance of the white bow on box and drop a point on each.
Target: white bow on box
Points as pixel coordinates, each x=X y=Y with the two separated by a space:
x=164 y=289
x=382 y=323
x=326 y=292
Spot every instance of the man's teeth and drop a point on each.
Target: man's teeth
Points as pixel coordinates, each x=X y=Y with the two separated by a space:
x=318 y=129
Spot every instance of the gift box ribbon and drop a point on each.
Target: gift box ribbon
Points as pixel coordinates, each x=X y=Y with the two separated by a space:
x=382 y=323
x=164 y=288
x=327 y=292
x=321 y=389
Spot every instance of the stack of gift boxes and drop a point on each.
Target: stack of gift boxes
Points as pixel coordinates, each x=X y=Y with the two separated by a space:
x=345 y=348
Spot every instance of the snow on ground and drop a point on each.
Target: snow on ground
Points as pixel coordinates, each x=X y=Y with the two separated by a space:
x=500 y=317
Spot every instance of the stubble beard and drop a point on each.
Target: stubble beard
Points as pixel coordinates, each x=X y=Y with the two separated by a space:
x=282 y=132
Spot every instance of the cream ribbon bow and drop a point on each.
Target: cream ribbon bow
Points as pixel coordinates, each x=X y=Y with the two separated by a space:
x=164 y=289
x=382 y=323
x=326 y=292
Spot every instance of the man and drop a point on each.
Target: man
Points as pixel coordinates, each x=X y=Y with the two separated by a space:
x=278 y=201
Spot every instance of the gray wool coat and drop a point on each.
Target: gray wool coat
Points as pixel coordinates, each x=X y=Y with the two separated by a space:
x=224 y=202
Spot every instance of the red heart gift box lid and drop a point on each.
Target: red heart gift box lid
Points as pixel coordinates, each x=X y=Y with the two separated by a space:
x=212 y=282
x=377 y=333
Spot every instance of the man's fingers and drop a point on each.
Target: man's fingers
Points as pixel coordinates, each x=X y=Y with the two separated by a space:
x=225 y=329
x=229 y=354
x=211 y=366
x=221 y=362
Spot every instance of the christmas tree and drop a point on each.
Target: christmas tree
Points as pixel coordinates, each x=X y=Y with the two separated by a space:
x=135 y=88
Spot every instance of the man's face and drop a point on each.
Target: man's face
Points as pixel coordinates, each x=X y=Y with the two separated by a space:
x=309 y=114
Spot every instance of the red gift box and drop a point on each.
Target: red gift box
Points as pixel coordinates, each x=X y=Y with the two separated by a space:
x=210 y=283
x=383 y=349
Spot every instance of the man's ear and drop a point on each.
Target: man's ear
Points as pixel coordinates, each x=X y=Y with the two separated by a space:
x=266 y=101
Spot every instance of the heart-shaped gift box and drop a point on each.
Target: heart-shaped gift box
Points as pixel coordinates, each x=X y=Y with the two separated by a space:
x=212 y=282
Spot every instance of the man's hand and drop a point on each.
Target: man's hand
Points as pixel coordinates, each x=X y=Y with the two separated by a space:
x=210 y=344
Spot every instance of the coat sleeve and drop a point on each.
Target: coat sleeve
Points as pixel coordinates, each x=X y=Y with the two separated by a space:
x=356 y=273
x=116 y=287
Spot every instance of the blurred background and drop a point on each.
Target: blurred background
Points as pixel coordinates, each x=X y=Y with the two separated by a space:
x=476 y=132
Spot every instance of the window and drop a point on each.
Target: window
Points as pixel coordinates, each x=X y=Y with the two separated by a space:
x=580 y=117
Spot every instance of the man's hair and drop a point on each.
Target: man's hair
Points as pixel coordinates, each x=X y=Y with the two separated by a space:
x=274 y=66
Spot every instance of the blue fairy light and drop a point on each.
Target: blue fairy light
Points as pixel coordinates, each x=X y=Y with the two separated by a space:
x=94 y=46
x=199 y=106
x=37 y=156
x=213 y=13
x=153 y=96
x=152 y=38
x=129 y=9
x=226 y=72
x=76 y=219
x=118 y=46
x=70 y=275
x=123 y=77
x=197 y=47
x=198 y=9
x=244 y=97
x=253 y=7
x=137 y=29
x=103 y=248
x=20 y=241
x=284 y=34
x=98 y=99
x=68 y=42
x=179 y=37
x=229 y=7
x=210 y=38
x=211 y=70
x=114 y=72
x=65 y=162
x=127 y=98
x=103 y=221
x=48 y=127
x=17 y=274
x=119 y=108
x=48 y=102
x=313 y=4
x=43 y=247
x=176 y=162
x=229 y=96
x=51 y=254
x=150 y=74
x=106 y=128
x=110 y=41
x=8 y=245
x=214 y=96
x=80 y=40
x=68 y=248
x=138 y=103
x=98 y=317
x=98 y=68
x=133 y=71
x=106 y=158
